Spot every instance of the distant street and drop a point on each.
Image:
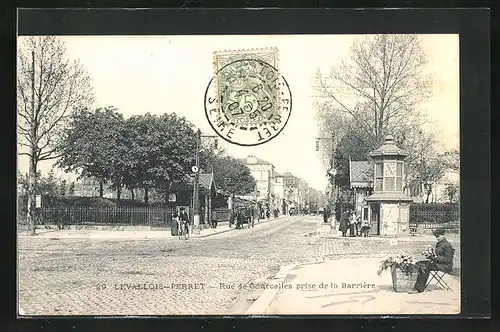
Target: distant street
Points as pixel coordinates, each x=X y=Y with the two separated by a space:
x=169 y=277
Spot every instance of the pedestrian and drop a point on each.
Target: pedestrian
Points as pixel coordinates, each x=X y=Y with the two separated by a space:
x=357 y=224
x=240 y=218
x=326 y=214
x=232 y=218
x=344 y=223
x=352 y=224
x=183 y=216
x=365 y=228
x=174 y=229
x=338 y=214
x=439 y=260
x=252 y=216
x=268 y=214
x=214 y=218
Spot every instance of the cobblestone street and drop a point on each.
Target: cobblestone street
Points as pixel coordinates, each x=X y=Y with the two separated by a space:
x=95 y=277
x=172 y=277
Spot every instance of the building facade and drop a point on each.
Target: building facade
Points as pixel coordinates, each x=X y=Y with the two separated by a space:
x=291 y=183
x=361 y=183
x=264 y=174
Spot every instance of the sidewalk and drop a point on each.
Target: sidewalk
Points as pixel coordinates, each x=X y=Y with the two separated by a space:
x=350 y=286
x=326 y=230
x=222 y=227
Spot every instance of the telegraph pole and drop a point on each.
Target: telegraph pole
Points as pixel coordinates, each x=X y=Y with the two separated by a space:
x=196 y=200
x=331 y=172
x=196 y=184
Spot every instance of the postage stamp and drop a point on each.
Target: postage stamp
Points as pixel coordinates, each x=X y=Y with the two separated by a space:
x=248 y=102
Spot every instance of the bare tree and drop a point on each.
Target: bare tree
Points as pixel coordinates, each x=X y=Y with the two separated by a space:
x=380 y=86
x=49 y=88
x=378 y=91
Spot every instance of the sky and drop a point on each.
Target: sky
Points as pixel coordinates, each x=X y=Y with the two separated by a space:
x=158 y=74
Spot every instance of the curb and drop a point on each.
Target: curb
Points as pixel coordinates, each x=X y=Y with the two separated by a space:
x=232 y=229
x=379 y=238
x=260 y=306
x=207 y=235
x=47 y=236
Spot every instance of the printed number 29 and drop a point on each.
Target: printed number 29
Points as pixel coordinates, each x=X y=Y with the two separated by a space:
x=101 y=286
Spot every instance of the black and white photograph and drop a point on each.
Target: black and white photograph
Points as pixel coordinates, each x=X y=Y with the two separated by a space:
x=238 y=175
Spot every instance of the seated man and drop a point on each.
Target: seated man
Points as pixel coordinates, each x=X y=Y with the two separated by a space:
x=441 y=260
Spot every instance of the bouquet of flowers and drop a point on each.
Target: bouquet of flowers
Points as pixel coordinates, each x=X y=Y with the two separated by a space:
x=402 y=262
x=429 y=253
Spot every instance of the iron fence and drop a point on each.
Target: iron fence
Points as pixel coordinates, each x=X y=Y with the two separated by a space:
x=452 y=225
x=116 y=216
x=433 y=214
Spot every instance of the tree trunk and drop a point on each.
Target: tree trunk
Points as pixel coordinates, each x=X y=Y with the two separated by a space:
x=31 y=215
x=167 y=193
x=31 y=209
x=132 y=193
x=101 y=189
x=146 y=195
x=232 y=202
x=428 y=193
x=166 y=198
x=119 y=192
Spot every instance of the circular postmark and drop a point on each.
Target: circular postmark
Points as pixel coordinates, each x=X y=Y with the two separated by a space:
x=248 y=102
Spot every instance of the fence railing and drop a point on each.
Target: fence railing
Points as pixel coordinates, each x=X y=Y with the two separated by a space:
x=154 y=217
x=455 y=225
x=434 y=214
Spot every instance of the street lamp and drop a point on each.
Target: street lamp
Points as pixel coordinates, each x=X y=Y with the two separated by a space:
x=196 y=170
x=331 y=173
x=256 y=205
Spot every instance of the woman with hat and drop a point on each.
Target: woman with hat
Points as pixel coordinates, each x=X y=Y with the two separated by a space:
x=439 y=260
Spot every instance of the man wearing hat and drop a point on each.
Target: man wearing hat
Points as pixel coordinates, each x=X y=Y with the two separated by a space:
x=440 y=260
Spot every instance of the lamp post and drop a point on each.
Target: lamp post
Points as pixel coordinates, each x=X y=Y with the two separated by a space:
x=331 y=172
x=256 y=205
x=196 y=184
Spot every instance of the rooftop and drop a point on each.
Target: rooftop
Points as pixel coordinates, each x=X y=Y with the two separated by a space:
x=253 y=160
x=389 y=148
x=361 y=171
x=205 y=181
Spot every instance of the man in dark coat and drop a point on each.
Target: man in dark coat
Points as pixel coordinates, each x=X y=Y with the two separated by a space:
x=184 y=217
x=441 y=261
x=344 y=223
x=326 y=213
x=240 y=218
x=214 y=218
x=232 y=218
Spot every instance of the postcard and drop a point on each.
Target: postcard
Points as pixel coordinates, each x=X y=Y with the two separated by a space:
x=238 y=175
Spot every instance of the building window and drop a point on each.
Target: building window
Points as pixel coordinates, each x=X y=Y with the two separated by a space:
x=390 y=176
x=399 y=176
x=379 y=171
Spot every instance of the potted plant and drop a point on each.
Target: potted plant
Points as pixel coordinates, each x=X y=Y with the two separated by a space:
x=404 y=272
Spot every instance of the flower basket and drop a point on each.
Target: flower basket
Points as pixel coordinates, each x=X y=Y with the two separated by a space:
x=404 y=272
x=403 y=282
